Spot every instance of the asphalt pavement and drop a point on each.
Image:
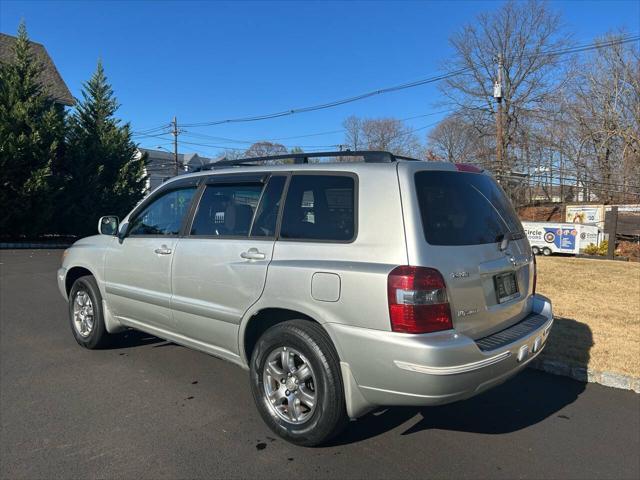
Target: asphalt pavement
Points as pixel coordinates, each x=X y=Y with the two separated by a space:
x=152 y=409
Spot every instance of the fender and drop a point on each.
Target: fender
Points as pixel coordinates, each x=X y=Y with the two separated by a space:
x=294 y=305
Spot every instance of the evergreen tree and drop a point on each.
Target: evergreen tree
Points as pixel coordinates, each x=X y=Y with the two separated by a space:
x=104 y=174
x=31 y=143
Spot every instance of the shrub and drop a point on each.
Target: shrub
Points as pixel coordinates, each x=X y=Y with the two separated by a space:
x=593 y=249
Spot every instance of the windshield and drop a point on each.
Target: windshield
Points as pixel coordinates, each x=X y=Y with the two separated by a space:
x=463 y=208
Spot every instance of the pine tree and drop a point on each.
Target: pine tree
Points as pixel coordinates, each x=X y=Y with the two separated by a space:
x=105 y=176
x=31 y=142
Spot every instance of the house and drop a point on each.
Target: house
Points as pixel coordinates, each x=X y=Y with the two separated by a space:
x=161 y=165
x=50 y=77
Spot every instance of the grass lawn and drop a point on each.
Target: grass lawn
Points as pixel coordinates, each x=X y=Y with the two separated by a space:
x=597 y=308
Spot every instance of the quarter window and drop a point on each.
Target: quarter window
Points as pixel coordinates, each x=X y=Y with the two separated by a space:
x=164 y=215
x=226 y=210
x=319 y=207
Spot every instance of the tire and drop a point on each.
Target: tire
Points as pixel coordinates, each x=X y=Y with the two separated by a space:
x=546 y=251
x=85 y=314
x=535 y=250
x=304 y=344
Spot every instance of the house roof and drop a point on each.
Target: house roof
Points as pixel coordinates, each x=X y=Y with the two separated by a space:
x=50 y=76
x=162 y=157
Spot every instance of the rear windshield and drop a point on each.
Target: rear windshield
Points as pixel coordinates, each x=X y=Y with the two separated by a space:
x=463 y=208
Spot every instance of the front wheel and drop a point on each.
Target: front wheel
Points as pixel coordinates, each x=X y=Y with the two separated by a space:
x=296 y=383
x=85 y=314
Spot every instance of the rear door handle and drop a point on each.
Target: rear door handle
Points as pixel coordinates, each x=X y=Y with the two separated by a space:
x=253 y=254
x=163 y=250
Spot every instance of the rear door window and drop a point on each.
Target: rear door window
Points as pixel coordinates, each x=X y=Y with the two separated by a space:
x=267 y=215
x=226 y=210
x=463 y=208
x=319 y=207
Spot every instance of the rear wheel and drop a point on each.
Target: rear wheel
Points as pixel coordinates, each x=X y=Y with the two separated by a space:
x=296 y=383
x=85 y=313
x=546 y=251
x=535 y=250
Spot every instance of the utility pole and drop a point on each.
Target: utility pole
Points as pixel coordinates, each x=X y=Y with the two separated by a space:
x=175 y=132
x=497 y=94
x=611 y=227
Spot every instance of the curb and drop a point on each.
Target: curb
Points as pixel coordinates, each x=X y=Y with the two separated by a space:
x=32 y=246
x=608 y=379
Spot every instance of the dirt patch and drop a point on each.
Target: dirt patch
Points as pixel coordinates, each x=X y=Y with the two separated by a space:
x=542 y=213
x=631 y=250
x=597 y=308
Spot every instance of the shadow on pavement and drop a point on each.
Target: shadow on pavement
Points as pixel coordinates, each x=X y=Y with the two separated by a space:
x=133 y=338
x=525 y=400
x=570 y=342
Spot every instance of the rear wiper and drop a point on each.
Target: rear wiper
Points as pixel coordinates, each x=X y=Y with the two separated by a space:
x=505 y=238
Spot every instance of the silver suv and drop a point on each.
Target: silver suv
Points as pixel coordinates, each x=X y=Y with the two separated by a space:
x=340 y=285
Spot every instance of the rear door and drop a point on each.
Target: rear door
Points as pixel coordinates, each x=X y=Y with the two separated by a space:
x=220 y=266
x=457 y=224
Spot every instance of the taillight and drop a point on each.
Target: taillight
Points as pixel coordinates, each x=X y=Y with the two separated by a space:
x=418 y=300
x=465 y=167
x=535 y=274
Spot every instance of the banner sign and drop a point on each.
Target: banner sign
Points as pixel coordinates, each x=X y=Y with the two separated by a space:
x=585 y=214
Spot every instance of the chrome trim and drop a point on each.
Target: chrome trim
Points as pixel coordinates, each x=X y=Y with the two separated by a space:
x=454 y=370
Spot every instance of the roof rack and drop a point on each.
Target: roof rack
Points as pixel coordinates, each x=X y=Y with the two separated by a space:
x=368 y=156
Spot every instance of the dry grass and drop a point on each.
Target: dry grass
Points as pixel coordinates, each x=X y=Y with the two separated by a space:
x=597 y=308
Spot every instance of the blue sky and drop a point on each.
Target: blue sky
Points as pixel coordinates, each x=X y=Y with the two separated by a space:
x=206 y=61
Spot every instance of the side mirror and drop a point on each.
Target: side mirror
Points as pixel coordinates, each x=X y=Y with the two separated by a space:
x=108 y=225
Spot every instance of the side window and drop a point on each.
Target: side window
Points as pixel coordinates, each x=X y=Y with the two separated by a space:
x=319 y=207
x=164 y=215
x=226 y=210
x=265 y=223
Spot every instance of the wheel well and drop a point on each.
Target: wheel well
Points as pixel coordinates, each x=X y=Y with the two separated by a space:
x=72 y=275
x=265 y=319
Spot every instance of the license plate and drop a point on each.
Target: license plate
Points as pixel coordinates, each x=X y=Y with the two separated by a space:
x=506 y=286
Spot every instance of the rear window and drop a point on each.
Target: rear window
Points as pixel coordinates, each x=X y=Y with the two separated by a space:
x=463 y=208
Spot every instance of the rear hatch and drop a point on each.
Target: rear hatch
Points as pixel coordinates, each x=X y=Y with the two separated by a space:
x=465 y=226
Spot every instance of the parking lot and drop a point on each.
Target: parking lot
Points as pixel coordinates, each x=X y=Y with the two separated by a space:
x=152 y=409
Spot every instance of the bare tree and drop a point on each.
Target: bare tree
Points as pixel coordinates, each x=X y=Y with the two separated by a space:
x=454 y=140
x=230 y=154
x=523 y=34
x=263 y=149
x=388 y=134
x=353 y=132
x=603 y=105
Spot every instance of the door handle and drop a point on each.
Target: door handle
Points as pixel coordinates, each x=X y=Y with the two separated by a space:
x=163 y=250
x=253 y=254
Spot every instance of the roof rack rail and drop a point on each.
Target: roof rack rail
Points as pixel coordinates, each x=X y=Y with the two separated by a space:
x=369 y=156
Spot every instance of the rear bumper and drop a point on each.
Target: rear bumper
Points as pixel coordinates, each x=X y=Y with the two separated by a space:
x=387 y=368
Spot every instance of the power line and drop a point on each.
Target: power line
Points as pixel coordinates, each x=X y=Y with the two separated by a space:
x=424 y=81
x=305 y=147
x=331 y=104
x=330 y=132
x=151 y=130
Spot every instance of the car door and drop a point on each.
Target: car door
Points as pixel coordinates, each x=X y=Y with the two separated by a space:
x=138 y=265
x=220 y=266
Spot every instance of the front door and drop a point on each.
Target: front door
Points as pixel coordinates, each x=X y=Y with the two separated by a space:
x=220 y=267
x=138 y=267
